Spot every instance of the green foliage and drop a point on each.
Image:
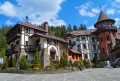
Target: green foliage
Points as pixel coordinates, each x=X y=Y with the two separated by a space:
x=14 y=61
x=74 y=27
x=63 y=31
x=75 y=64
x=69 y=28
x=36 y=62
x=6 y=65
x=24 y=64
x=63 y=60
x=82 y=62
x=58 y=33
x=86 y=63
x=10 y=63
x=82 y=27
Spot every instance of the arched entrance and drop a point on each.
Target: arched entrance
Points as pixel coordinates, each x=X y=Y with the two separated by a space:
x=52 y=53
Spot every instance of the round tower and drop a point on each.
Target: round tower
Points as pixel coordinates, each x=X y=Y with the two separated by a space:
x=106 y=32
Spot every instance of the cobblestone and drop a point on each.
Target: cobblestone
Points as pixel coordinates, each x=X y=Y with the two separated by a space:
x=102 y=74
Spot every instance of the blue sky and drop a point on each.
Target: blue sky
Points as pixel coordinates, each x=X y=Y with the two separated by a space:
x=58 y=12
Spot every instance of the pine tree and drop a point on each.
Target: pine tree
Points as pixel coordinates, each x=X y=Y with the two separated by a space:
x=85 y=27
x=81 y=27
x=58 y=33
x=63 y=31
x=69 y=28
x=74 y=27
x=36 y=62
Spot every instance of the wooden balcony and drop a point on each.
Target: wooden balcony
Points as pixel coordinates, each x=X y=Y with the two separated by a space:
x=13 y=36
x=72 y=43
x=32 y=48
x=14 y=49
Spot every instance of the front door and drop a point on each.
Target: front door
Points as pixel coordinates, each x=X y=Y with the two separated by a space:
x=52 y=55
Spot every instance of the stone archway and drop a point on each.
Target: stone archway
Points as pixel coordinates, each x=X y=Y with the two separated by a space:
x=53 y=53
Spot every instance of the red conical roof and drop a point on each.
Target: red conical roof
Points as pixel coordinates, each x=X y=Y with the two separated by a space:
x=103 y=17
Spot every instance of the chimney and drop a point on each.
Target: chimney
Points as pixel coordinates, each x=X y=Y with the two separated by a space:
x=46 y=26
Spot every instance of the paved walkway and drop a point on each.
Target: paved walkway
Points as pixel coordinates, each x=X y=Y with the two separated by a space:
x=85 y=75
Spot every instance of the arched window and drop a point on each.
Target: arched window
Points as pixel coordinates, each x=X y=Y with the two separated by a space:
x=86 y=56
x=84 y=46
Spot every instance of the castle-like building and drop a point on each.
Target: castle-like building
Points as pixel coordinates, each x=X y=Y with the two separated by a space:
x=24 y=38
x=90 y=44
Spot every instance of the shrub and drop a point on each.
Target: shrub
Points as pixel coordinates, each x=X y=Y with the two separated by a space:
x=14 y=62
x=1 y=65
x=63 y=62
x=56 y=65
x=100 y=64
x=86 y=63
x=36 y=62
x=75 y=64
x=82 y=61
x=6 y=65
x=10 y=63
x=24 y=64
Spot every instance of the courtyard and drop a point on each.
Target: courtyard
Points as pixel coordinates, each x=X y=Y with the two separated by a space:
x=100 y=74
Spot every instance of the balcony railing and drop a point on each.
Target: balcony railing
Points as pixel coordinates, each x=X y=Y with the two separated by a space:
x=32 y=48
x=14 y=49
x=72 y=43
x=13 y=35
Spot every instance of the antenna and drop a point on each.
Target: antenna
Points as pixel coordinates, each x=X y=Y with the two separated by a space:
x=26 y=18
x=100 y=8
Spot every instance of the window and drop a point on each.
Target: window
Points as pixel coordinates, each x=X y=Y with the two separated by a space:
x=113 y=34
x=94 y=47
x=84 y=46
x=76 y=56
x=72 y=56
x=93 y=40
x=78 y=47
x=103 y=50
x=26 y=43
x=83 y=38
x=26 y=30
x=86 y=56
x=77 y=39
x=17 y=43
x=107 y=37
x=101 y=40
x=69 y=54
x=70 y=42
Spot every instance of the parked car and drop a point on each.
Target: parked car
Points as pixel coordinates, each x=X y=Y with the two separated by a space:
x=116 y=63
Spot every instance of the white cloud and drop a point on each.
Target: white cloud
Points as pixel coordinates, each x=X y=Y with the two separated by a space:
x=117 y=0
x=85 y=22
x=37 y=10
x=117 y=21
x=84 y=10
x=91 y=27
x=8 y=22
x=95 y=10
x=118 y=11
x=110 y=11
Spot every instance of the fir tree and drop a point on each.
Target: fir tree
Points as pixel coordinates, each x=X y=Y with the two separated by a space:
x=69 y=28
x=36 y=62
x=58 y=33
x=74 y=27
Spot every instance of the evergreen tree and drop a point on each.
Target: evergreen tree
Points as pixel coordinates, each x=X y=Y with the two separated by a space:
x=85 y=27
x=82 y=27
x=58 y=33
x=63 y=31
x=36 y=62
x=69 y=28
x=74 y=27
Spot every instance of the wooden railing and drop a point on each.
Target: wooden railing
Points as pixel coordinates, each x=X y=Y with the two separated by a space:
x=32 y=48
x=14 y=49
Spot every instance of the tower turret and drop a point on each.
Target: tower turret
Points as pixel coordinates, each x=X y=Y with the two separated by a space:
x=106 y=32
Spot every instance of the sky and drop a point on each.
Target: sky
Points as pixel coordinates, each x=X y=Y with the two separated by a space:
x=58 y=12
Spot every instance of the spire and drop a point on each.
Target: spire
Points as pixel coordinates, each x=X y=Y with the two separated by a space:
x=102 y=16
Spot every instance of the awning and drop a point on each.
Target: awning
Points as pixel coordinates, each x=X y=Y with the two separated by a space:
x=75 y=51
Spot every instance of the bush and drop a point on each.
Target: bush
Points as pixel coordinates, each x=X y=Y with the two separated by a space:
x=36 y=62
x=24 y=64
x=56 y=65
x=63 y=62
x=82 y=61
x=1 y=65
x=75 y=64
x=86 y=63
x=14 y=62
x=6 y=65
x=100 y=64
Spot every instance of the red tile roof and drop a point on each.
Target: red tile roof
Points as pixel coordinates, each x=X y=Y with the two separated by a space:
x=29 y=25
x=74 y=51
x=49 y=37
x=82 y=32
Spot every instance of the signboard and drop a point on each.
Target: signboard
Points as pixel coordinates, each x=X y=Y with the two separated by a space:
x=1 y=60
